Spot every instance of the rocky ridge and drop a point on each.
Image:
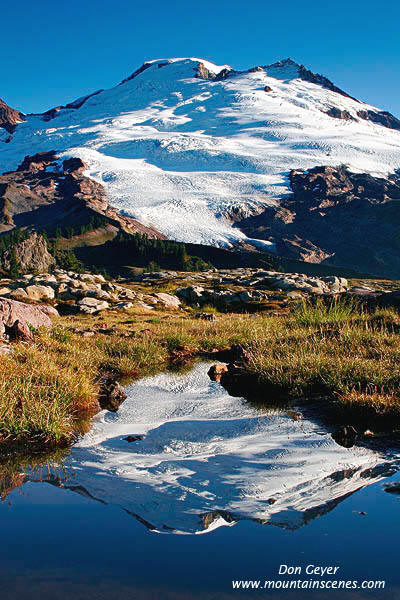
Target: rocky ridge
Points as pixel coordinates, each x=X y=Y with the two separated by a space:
x=337 y=217
x=45 y=193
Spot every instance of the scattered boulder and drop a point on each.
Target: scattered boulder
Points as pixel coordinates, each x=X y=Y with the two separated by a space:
x=40 y=292
x=111 y=394
x=12 y=311
x=141 y=304
x=216 y=371
x=123 y=305
x=92 y=305
x=168 y=300
x=206 y=316
x=345 y=436
x=19 y=294
x=191 y=294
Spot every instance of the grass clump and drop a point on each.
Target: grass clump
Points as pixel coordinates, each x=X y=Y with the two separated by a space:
x=321 y=312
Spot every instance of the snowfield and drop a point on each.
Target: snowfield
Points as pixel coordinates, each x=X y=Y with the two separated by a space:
x=205 y=451
x=178 y=152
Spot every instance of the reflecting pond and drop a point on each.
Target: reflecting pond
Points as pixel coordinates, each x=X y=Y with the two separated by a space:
x=186 y=489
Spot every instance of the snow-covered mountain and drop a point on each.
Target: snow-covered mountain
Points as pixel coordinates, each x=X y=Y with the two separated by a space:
x=189 y=147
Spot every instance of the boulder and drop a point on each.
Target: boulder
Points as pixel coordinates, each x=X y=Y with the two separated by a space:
x=99 y=294
x=48 y=310
x=92 y=305
x=205 y=316
x=345 y=436
x=123 y=305
x=12 y=311
x=191 y=294
x=141 y=304
x=111 y=394
x=19 y=294
x=168 y=300
x=244 y=297
x=46 y=279
x=40 y=292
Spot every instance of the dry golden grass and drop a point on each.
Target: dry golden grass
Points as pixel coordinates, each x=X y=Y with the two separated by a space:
x=48 y=388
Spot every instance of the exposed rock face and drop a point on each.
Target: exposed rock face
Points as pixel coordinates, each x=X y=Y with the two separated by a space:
x=336 y=113
x=337 y=217
x=380 y=118
x=44 y=194
x=204 y=73
x=31 y=253
x=9 y=117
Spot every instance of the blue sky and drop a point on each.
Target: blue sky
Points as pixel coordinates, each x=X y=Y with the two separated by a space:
x=53 y=52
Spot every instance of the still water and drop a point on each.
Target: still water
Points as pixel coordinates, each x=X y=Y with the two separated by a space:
x=213 y=490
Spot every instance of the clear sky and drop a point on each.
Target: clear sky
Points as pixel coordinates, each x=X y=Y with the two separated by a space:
x=53 y=52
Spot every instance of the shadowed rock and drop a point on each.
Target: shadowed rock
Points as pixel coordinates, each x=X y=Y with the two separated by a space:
x=111 y=394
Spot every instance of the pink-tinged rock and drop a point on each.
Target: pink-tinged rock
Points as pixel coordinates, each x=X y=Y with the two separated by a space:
x=35 y=316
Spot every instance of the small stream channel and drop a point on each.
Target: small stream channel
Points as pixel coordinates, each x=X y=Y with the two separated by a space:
x=213 y=490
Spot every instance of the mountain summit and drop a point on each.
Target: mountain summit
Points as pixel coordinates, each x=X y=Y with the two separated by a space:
x=192 y=148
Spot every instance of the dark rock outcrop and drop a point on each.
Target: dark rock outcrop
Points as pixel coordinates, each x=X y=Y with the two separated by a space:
x=46 y=194
x=380 y=118
x=138 y=71
x=336 y=113
x=134 y=438
x=203 y=73
x=335 y=217
x=307 y=75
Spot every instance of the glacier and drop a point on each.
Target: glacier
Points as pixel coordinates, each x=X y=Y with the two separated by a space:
x=180 y=153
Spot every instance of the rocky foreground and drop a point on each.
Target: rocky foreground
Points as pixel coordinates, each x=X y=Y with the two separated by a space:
x=29 y=301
